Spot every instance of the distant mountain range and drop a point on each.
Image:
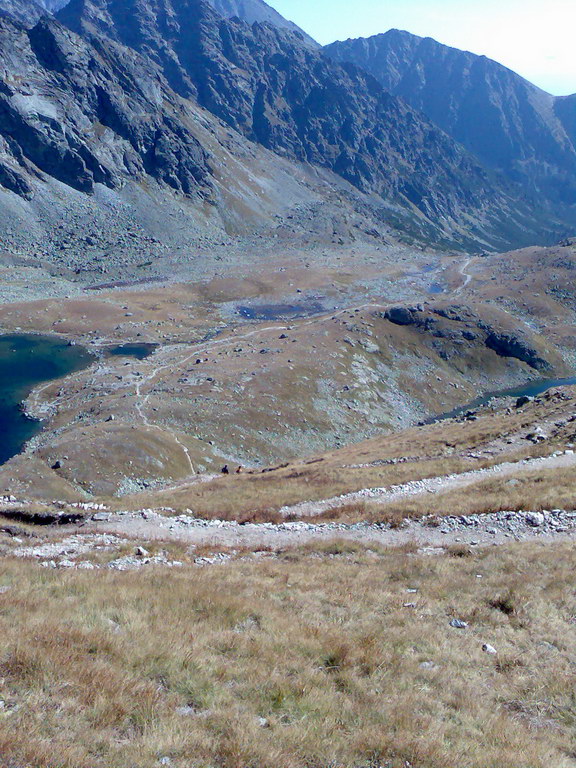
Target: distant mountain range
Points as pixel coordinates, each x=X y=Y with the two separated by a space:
x=99 y=94
x=509 y=124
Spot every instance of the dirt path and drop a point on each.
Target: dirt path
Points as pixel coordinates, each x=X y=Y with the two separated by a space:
x=203 y=348
x=465 y=275
x=435 y=485
x=497 y=528
x=225 y=538
x=482 y=530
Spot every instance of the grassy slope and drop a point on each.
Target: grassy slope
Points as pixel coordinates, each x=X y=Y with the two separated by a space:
x=434 y=450
x=94 y=666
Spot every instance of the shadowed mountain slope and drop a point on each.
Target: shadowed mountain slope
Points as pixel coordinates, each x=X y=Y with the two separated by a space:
x=565 y=108
x=86 y=114
x=112 y=103
x=509 y=124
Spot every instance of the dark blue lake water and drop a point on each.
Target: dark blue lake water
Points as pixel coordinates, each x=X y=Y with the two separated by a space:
x=280 y=311
x=138 y=351
x=25 y=362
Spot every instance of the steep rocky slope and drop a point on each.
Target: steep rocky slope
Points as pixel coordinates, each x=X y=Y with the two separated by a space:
x=121 y=100
x=266 y=84
x=506 y=122
x=87 y=114
x=23 y=11
x=29 y=11
x=565 y=108
x=257 y=10
x=52 y=5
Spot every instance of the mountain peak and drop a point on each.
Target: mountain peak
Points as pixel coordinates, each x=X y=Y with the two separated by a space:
x=266 y=84
x=510 y=125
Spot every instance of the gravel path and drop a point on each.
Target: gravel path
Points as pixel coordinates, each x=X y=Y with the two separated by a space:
x=430 y=535
x=436 y=485
x=465 y=276
x=476 y=530
x=149 y=525
x=105 y=530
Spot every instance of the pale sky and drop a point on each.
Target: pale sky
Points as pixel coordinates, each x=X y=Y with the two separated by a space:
x=536 y=38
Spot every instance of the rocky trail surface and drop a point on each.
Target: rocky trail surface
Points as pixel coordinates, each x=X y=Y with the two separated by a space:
x=101 y=530
x=435 y=485
x=225 y=540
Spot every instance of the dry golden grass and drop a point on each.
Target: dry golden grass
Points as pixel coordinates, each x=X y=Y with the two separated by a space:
x=95 y=665
x=540 y=490
x=435 y=450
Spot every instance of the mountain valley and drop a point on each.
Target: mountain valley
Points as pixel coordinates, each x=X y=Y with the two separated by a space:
x=297 y=328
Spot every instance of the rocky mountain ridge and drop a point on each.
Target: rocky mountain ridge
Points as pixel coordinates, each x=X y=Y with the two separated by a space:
x=510 y=125
x=88 y=115
x=110 y=91
x=252 y=11
x=264 y=83
x=28 y=12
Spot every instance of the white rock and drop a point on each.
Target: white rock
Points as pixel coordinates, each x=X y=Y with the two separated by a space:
x=141 y=552
x=535 y=519
x=458 y=624
x=487 y=648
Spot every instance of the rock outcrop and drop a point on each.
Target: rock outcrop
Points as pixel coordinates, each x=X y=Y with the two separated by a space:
x=88 y=113
x=463 y=326
x=507 y=344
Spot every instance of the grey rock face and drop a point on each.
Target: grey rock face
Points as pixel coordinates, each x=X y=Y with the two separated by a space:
x=86 y=114
x=28 y=12
x=565 y=108
x=489 y=649
x=401 y=316
x=25 y=12
x=253 y=11
x=509 y=344
x=458 y=624
x=474 y=330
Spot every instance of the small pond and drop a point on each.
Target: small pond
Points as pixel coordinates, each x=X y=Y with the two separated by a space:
x=279 y=311
x=139 y=351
